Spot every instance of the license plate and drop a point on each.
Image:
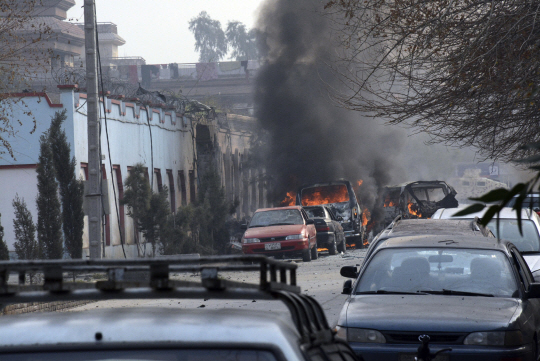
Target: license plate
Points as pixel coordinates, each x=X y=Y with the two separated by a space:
x=272 y=246
x=412 y=357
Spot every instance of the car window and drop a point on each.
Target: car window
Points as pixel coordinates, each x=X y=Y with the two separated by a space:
x=435 y=269
x=276 y=217
x=509 y=230
x=142 y=355
x=325 y=195
x=316 y=212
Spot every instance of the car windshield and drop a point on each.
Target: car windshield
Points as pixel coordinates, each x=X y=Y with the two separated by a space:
x=435 y=270
x=276 y=217
x=143 y=355
x=528 y=242
x=315 y=212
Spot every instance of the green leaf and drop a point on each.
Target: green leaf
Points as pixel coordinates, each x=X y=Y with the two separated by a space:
x=495 y=195
x=488 y=216
x=474 y=208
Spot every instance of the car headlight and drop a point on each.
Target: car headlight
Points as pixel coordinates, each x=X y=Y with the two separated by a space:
x=251 y=240
x=294 y=236
x=360 y=335
x=497 y=338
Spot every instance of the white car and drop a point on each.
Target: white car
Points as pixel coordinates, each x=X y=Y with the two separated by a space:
x=528 y=243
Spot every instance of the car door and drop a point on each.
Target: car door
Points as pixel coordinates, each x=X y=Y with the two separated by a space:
x=312 y=232
x=531 y=306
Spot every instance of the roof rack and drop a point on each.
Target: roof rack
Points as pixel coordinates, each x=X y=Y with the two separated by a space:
x=277 y=281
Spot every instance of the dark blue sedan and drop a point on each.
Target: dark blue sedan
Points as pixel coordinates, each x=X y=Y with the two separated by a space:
x=474 y=295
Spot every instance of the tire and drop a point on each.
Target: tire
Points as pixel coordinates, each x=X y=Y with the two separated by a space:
x=332 y=247
x=306 y=255
x=314 y=252
x=341 y=247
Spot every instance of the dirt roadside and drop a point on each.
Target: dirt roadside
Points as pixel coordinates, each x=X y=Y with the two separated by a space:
x=319 y=278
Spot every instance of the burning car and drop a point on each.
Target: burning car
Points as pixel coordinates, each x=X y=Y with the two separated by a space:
x=340 y=197
x=417 y=199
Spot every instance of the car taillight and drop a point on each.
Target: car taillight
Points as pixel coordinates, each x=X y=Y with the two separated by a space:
x=322 y=228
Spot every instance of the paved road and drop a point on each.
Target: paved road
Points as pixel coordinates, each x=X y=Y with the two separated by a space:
x=319 y=278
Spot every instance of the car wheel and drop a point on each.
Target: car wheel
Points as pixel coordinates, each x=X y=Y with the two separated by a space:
x=306 y=255
x=314 y=252
x=341 y=246
x=332 y=247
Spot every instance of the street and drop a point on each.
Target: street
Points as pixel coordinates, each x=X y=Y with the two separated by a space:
x=319 y=278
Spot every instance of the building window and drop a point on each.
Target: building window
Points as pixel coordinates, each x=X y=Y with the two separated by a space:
x=172 y=193
x=192 y=190
x=120 y=195
x=182 y=185
x=157 y=172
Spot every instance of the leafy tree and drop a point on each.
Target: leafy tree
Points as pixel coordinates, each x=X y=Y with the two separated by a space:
x=26 y=246
x=4 y=252
x=466 y=71
x=242 y=41
x=21 y=58
x=150 y=211
x=210 y=39
x=49 y=225
x=71 y=189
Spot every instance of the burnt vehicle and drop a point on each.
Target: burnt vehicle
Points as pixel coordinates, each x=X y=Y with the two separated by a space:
x=340 y=197
x=417 y=199
x=330 y=233
x=164 y=334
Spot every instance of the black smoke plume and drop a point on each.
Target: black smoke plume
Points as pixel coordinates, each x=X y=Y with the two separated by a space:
x=309 y=138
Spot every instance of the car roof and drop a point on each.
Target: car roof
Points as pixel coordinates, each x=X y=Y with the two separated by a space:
x=448 y=241
x=434 y=226
x=278 y=208
x=505 y=213
x=151 y=325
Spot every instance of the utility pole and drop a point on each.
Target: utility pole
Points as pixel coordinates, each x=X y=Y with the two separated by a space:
x=94 y=154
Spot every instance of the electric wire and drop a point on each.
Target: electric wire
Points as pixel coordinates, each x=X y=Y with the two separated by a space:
x=107 y=134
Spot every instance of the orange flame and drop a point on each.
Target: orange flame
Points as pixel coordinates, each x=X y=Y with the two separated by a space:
x=288 y=200
x=322 y=249
x=324 y=195
x=388 y=202
x=414 y=210
x=359 y=182
x=366 y=217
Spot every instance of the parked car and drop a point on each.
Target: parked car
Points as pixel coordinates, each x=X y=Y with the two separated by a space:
x=413 y=227
x=474 y=295
x=330 y=233
x=281 y=231
x=532 y=201
x=528 y=242
x=340 y=197
x=166 y=333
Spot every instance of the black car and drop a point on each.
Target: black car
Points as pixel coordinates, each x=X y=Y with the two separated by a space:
x=474 y=295
x=330 y=233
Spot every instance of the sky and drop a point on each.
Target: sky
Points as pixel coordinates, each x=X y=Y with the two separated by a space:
x=158 y=30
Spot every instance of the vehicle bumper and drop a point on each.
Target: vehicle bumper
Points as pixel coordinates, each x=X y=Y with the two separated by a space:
x=292 y=246
x=325 y=238
x=390 y=352
x=349 y=234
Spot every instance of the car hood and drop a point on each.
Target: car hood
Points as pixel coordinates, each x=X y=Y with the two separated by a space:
x=430 y=312
x=273 y=231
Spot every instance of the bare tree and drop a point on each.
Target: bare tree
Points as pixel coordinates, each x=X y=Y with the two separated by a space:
x=467 y=72
x=242 y=41
x=22 y=56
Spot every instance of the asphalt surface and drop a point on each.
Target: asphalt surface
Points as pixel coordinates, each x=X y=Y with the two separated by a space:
x=319 y=278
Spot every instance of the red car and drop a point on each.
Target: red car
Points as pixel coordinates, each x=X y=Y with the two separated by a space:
x=281 y=231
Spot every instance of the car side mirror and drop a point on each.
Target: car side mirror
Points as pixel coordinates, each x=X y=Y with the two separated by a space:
x=243 y=227
x=310 y=221
x=534 y=290
x=349 y=272
x=347 y=287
